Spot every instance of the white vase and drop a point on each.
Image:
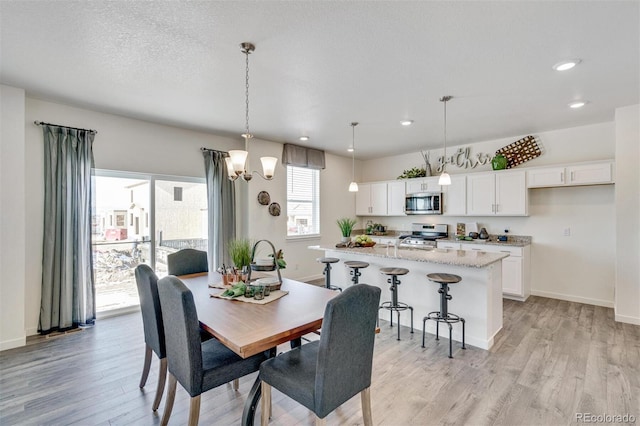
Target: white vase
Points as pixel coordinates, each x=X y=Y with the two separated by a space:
x=346 y=239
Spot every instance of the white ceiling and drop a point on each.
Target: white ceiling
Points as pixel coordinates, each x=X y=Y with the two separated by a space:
x=320 y=65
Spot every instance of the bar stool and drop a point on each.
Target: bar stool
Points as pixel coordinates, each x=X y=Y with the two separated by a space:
x=327 y=271
x=443 y=315
x=355 y=267
x=394 y=305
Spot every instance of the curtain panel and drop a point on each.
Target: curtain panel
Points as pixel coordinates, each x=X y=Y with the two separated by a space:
x=221 y=203
x=300 y=156
x=68 y=290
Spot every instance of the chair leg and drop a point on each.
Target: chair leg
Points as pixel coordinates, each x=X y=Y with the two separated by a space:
x=236 y=384
x=265 y=404
x=171 y=396
x=365 y=397
x=162 y=378
x=321 y=422
x=194 y=411
x=147 y=366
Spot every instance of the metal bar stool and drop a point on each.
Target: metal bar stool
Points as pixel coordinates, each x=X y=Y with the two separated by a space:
x=444 y=315
x=327 y=271
x=355 y=267
x=393 y=305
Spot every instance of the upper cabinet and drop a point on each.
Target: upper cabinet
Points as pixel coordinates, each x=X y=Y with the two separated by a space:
x=371 y=199
x=497 y=193
x=597 y=173
x=395 y=198
x=429 y=184
x=455 y=196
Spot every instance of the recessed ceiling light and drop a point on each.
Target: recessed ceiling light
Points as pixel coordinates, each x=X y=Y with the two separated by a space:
x=304 y=138
x=406 y=122
x=577 y=104
x=566 y=65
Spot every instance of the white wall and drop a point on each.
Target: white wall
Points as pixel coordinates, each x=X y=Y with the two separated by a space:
x=12 y=218
x=628 y=214
x=580 y=267
x=335 y=202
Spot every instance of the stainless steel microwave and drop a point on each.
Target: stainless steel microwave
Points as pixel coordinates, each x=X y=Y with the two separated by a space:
x=423 y=203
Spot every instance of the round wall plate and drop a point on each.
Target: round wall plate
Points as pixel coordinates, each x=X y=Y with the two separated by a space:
x=274 y=209
x=264 y=198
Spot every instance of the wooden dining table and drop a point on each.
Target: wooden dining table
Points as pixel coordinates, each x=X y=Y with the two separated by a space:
x=248 y=328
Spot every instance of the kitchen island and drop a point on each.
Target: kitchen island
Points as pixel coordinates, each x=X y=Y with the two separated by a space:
x=477 y=298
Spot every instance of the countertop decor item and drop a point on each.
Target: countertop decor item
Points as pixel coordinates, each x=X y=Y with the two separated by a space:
x=484 y=235
x=346 y=225
x=274 y=209
x=264 y=198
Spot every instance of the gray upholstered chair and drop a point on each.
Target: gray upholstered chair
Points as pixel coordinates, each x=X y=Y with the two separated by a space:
x=187 y=261
x=198 y=366
x=147 y=283
x=325 y=374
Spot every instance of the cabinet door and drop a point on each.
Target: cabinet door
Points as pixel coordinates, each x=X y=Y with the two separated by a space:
x=378 y=199
x=455 y=196
x=480 y=194
x=363 y=200
x=589 y=174
x=549 y=176
x=429 y=184
x=512 y=276
x=395 y=198
x=511 y=194
x=414 y=185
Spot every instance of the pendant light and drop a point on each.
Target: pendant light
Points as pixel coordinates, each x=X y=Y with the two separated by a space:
x=353 y=186
x=237 y=162
x=445 y=179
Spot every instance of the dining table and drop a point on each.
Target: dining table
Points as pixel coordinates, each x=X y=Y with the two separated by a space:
x=249 y=328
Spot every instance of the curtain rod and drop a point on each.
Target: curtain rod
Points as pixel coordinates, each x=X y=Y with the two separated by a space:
x=41 y=123
x=214 y=150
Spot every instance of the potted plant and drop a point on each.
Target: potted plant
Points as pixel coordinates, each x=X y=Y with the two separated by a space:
x=240 y=253
x=346 y=226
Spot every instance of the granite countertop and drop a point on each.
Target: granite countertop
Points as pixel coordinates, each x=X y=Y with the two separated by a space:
x=512 y=240
x=466 y=258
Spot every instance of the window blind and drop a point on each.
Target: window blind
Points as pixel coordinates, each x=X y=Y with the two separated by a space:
x=303 y=201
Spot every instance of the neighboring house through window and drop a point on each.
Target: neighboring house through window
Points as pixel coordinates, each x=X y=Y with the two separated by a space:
x=303 y=201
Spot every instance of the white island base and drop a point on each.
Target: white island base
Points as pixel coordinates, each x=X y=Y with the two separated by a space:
x=477 y=298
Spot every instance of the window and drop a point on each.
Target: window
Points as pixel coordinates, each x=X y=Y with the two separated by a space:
x=303 y=201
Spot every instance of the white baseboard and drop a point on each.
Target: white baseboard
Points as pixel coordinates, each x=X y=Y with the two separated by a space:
x=627 y=319
x=571 y=298
x=13 y=343
x=32 y=331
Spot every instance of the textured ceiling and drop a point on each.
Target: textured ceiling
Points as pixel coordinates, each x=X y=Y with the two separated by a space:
x=320 y=65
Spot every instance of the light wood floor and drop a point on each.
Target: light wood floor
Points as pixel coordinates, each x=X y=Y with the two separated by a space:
x=553 y=359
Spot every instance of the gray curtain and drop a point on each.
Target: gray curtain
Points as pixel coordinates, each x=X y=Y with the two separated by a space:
x=68 y=291
x=221 y=202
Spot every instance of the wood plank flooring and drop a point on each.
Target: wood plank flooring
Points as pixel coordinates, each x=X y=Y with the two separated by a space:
x=552 y=359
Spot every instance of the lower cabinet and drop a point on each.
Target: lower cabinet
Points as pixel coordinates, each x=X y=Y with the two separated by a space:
x=516 y=269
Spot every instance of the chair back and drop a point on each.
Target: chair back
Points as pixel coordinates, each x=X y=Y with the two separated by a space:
x=345 y=354
x=182 y=331
x=187 y=261
x=147 y=283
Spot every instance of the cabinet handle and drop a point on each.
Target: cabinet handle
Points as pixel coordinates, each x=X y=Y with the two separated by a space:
x=505 y=251
x=497 y=207
x=572 y=178
x=477 y=249
x=561 y=177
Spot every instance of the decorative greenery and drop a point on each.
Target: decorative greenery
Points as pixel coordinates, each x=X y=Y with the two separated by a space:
x=346 y=225
x=414 y=172
x=240 y=252
x=282 y=264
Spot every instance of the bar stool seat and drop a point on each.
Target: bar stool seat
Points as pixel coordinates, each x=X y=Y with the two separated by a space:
x=355 y=266
x=393 y=305
x=444 y=315
x=327 y=271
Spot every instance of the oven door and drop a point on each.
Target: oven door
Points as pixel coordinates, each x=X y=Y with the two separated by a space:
x=423 y=203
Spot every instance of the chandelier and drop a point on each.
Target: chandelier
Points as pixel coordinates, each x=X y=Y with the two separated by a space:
x=237 y=161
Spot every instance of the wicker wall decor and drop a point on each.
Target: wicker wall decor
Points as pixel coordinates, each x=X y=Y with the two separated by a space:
x=520 y=151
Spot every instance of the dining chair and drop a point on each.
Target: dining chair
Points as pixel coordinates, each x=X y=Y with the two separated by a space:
x=147 y=283
x=198 y=366
x=187 y=261
x=324 y=374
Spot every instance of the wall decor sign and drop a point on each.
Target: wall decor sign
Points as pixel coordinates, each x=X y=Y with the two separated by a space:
x=521 y=151
x=462 y=158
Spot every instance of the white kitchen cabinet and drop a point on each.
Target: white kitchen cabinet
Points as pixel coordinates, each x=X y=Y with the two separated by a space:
x=498 y=193
x=571 y=175
x=371 y=199
x=516 y=269
x=455 y=196
x=448 y=245
x=429 y=184
x=395 y=198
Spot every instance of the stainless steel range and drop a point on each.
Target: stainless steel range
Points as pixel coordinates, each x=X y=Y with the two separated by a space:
x=424 y=236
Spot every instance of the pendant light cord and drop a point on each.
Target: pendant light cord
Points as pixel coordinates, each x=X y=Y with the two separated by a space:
x=353 y=151
x=445 y=99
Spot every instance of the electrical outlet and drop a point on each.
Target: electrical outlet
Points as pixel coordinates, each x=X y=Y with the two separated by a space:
x=567 y=232
x=295 y=267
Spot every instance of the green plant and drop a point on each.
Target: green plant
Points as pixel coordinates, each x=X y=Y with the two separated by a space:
x=240 y=252
x=414 y=172
x=346 y=225
x=282 y=264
